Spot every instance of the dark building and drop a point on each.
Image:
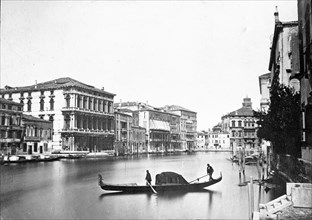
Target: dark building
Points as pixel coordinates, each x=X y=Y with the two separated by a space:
x=10 y=127
x=305 y=74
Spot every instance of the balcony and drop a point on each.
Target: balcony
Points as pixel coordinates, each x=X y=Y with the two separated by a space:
x=88 y=131
x=10 y=140
x=30 y=138
x=87 y=111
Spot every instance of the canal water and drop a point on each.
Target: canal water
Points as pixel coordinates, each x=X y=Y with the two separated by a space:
x=68 y=189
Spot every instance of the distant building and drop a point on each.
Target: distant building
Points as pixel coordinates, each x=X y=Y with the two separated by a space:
x=305 y=74
x=218 y=138
x=10 y=127
x=37 y=138
x=162 y=127
x=123 y=126
x=138 y=140
x=284 y=56
x=82 y=115
x=242 y=127
x=201 y=140
x=188 y=125
x=265 y=85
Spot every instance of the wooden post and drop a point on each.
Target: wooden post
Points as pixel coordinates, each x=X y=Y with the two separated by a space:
x=251 y=198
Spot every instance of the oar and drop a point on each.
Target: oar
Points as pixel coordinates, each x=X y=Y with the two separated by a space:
x=151 y=187
x=198 y=178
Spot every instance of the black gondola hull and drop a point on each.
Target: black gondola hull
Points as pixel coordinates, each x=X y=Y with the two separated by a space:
x=158 y=188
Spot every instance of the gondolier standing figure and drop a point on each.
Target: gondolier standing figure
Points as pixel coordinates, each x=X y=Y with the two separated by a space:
x=209 y=171
x=148 y=177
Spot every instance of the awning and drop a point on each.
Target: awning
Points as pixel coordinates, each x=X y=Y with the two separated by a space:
x=159 y=125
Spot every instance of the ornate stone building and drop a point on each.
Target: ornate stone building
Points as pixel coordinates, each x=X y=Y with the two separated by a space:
x=188 y=126
x=242 y=127
x=162 y=127
x=82 y=115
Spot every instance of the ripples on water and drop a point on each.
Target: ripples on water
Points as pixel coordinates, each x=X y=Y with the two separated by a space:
x=67 y=189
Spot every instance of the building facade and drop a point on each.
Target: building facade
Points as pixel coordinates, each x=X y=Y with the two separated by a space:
x=305 y=74
x=82 y=115
x=218 y=139
x=10 y=127
x=201 y=141
x=264 y=86
x=284 y=56
x=163 y=131
x=123 y=129
x=37 y=136
x=242 y=127
x=188 y=125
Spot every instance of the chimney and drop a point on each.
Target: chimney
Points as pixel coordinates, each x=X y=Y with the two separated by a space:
x=35 y=84
x=276 y=15
x=102 y=88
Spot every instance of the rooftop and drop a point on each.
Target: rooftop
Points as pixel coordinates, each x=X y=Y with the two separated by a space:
x=55 y=84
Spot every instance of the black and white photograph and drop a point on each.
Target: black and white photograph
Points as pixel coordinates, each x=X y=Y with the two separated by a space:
x=156 y=109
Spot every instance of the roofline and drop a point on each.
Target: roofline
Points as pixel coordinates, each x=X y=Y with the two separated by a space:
x=278 y=26
x=18 y=89
x=153 y=110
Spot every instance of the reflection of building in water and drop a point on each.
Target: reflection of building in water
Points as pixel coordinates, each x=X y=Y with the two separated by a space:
x=82 y=115
x=242 y=127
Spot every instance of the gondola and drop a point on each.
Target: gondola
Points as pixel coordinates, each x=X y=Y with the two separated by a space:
x=165 y=181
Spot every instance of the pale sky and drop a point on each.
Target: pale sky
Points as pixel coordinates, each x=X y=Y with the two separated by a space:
x=203 y=55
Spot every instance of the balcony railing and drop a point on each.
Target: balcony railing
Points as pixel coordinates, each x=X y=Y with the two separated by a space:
x=88 y=131
x=30 y=138
x=87 y=111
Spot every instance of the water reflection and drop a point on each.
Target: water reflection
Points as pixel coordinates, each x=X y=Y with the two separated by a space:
x=68 y=189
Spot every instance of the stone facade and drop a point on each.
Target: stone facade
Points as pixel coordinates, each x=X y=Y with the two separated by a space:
x=37 y=138
x=82 y=116
x=305 y=75
x=284 y=56
x=10 y=126
x=242 y=127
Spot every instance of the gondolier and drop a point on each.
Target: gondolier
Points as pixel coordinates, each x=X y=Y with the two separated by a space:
x=148 y=177
x=209 y=171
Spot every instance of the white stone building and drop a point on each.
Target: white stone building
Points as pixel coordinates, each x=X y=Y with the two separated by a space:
x=82 y=115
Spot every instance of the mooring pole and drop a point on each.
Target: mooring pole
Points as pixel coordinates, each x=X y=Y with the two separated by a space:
x=251 y=198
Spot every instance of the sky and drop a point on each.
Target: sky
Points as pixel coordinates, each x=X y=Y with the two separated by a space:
x=205 y=56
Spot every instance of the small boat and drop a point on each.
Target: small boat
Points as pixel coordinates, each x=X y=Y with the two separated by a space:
x=165 y=181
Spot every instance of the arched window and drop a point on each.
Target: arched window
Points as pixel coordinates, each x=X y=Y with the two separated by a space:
x=239 y=123
x=67 y=98
x=233 y=123
x=51 y=104
x=41 y=105
x=29 y=105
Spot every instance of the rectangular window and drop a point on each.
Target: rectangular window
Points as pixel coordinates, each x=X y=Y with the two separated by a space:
x=35 y=147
